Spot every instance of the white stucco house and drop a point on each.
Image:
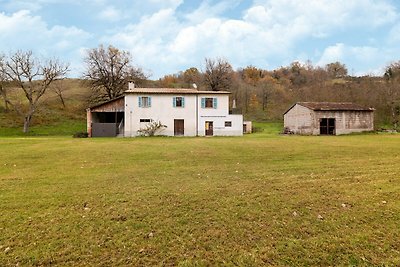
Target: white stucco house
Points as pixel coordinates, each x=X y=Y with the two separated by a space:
x=184 y=112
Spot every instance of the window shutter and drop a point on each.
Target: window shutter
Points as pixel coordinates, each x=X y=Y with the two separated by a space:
x=174 y=102
x=183 y=101
x=149 y=98
x=203 y=102
x=215 y=102
x=140 y=101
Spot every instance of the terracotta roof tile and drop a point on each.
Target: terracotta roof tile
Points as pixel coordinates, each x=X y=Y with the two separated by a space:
x=172 y=91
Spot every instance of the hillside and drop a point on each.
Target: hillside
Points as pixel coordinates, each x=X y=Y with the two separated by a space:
x=52 y=118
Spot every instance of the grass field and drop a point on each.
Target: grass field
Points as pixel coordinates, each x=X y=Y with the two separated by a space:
x=261 y=199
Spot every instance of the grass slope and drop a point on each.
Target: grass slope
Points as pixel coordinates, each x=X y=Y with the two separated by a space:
x=261 y=199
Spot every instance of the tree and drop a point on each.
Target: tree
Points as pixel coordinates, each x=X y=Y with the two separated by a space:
x=3 y=80
x=336 y=70
x=108 y=70
x=218 y=74
x=191 y=76
x=392 y=77
x=59 y=88
x=33 y=77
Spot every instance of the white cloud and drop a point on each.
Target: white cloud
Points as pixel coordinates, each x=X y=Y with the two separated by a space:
x=21 y=30
x=110 y=13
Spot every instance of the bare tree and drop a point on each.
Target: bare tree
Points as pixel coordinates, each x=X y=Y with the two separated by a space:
x=218 y=74
x=59 y=88
x=33 y=77
x=392 y=77
x=3 y=80
x=108 y=70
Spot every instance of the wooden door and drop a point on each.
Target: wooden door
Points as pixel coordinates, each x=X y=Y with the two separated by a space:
x=209 y=128
x=179 y=127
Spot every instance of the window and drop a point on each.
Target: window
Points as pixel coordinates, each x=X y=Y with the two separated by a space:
x=144 y=101
x=228 y=124
x=145 y=120
x=178 y=102
x=209 y=102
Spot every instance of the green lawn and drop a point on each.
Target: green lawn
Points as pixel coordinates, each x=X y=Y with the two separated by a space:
x=261 y=199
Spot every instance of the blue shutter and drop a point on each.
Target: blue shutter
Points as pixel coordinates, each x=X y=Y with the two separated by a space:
x=174 y=102
x=215 y=101
x=140 y=101
x=149 y=98
x=183 y=101
x=203 y=102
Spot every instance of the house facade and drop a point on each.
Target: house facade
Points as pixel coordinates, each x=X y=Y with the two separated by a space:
x=183 y=112
x=328 y=118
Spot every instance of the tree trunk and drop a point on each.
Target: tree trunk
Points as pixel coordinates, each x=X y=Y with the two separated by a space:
x=27 y=123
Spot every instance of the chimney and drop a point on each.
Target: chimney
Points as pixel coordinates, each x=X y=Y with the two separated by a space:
x=131 y=85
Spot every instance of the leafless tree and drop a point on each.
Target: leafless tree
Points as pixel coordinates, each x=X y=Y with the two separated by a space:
x=336 y=70
x=33 y=77
x=59 y=88
x=392 y=77
x=218 y=74
x=108 y=70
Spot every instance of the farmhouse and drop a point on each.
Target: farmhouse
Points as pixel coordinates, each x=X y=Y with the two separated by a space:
x=184 y=112
x=328 y=118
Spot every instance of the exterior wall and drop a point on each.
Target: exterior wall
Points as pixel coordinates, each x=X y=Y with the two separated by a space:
x=347 y=121
x=192 y=113
x=219 y=116
x=161 y=110
x=247 y=127
x=300 y=120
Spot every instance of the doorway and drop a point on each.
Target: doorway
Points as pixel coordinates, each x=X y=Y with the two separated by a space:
x=327 y=126
x=209 y=128
x=179 y=127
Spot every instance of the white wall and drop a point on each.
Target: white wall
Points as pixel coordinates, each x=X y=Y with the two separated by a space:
x=161 y=110
x=219 y=116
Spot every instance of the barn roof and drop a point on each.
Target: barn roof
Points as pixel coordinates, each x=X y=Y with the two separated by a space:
x=332 y=106
x=172 y=91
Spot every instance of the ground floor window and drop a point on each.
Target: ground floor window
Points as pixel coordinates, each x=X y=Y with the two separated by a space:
x=228 y=124
x=145 y=120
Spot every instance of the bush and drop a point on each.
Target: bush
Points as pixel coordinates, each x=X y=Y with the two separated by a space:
x=80 y=135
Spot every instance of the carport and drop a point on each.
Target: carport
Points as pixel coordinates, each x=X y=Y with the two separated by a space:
x=106 y=119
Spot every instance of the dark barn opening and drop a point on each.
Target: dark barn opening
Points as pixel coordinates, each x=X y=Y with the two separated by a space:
x=107 y=119
x=327 y=126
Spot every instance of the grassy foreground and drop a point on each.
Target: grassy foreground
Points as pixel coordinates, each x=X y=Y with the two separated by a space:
x=261 y=199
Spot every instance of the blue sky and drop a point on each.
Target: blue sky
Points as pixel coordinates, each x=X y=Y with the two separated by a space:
x=167 y=36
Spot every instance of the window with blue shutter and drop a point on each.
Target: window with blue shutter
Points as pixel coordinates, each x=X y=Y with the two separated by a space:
x=203 y=102
x=183 y=102
x=174 y=101
x=215 y=102
x=144 y=101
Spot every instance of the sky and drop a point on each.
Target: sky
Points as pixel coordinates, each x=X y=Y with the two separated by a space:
x=168 y=36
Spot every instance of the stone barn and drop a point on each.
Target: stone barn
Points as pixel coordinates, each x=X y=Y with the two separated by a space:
x=328 y=118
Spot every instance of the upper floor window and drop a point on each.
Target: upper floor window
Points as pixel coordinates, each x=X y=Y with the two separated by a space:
x=178 y=101
x=209 y=102
x=144 y=101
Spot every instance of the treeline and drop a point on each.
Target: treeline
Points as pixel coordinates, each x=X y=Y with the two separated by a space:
x=266 y=94
x=257 y=93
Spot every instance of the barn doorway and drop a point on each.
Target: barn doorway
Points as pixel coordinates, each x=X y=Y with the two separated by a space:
x=209 y=128
x=327 y=126
x=179 y=127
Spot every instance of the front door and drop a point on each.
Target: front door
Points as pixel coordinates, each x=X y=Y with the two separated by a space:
x=209 y=128
x=179 y=127
x=327 y=126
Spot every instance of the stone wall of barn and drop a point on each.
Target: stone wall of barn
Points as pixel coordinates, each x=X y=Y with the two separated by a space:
x=302 y=120
x=299 y=120
x=346 y=121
